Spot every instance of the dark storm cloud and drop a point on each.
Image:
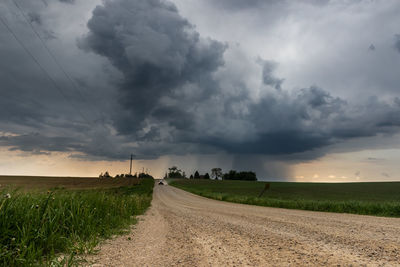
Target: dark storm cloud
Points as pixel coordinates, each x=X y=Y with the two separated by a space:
x=28 y=97
x=308 y=120
x=19 y=74
x=96 y=147
x=156 y=50
x=174 y=94
x=37 y=143
x=170 y=98
x=43 y=115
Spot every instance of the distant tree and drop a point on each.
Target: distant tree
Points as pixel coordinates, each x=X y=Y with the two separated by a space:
x=234 y=175
x=191 y=176
x=248 y=176
x=216 y=173
x=231 y=175
x=174 y=172
x=206 y=176
x=196 y=175
x=145 y=175
x=173 y=169
x=105 y=175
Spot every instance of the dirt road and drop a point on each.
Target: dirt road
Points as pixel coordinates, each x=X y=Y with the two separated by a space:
x=182 y=229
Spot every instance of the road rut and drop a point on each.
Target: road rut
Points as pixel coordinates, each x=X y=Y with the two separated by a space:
x=182 y=229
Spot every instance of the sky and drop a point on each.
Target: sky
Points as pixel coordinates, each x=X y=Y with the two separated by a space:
x=294 y=90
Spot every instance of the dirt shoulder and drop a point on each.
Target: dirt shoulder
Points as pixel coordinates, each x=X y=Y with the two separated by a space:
x=182 y=229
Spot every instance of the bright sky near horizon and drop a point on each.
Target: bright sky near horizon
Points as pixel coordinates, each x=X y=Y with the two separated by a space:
x=295 y=90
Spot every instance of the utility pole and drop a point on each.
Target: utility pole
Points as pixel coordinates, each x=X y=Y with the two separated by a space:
x=130 y=169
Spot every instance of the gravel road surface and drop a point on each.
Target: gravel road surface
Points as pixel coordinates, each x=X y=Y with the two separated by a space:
x=182 y=229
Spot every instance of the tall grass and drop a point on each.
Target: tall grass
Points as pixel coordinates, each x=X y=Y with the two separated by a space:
x=378 y=199
x=37 y=227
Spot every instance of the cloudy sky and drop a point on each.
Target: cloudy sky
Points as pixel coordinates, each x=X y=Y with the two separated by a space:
x=295 y=90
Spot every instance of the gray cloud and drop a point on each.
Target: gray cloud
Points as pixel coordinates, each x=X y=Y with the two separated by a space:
x=277 y=123
x=41 y=116
x=156 y=50
x=35 y=17
x=307 y=120
x=171 y=100
x=397 y=42
x=38 y=143
x=239 y=5
x=372 y=47
x=68 y=1
x=169 y=90
x=268 y=74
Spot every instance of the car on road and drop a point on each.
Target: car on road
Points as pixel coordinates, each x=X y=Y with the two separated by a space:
x=161 y=183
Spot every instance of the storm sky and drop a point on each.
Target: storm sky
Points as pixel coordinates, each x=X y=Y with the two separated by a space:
x=294 y=90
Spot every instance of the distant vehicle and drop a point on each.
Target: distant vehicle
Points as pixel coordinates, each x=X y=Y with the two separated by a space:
x=160 y=183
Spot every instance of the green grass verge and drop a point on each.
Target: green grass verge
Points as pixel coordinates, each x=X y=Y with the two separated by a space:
x=37 y=227
x=379 y=199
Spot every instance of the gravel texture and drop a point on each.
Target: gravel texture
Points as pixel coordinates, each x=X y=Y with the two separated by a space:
x=182 y=229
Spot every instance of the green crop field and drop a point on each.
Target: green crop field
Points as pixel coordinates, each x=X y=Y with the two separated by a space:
x=42 y=227
x=380 y=199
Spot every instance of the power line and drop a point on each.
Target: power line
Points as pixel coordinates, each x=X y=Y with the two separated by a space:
x=76 y=87
x=3 y=21
x=43 y=69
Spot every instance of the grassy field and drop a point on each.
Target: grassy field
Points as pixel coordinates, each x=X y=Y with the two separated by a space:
x=29 y=183
x=50 y=227
x=380 y=199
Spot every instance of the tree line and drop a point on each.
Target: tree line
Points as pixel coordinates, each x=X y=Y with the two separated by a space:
x=136 y=175
x=216 y=174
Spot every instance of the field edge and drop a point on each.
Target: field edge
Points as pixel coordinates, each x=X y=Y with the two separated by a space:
x=390 y=208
